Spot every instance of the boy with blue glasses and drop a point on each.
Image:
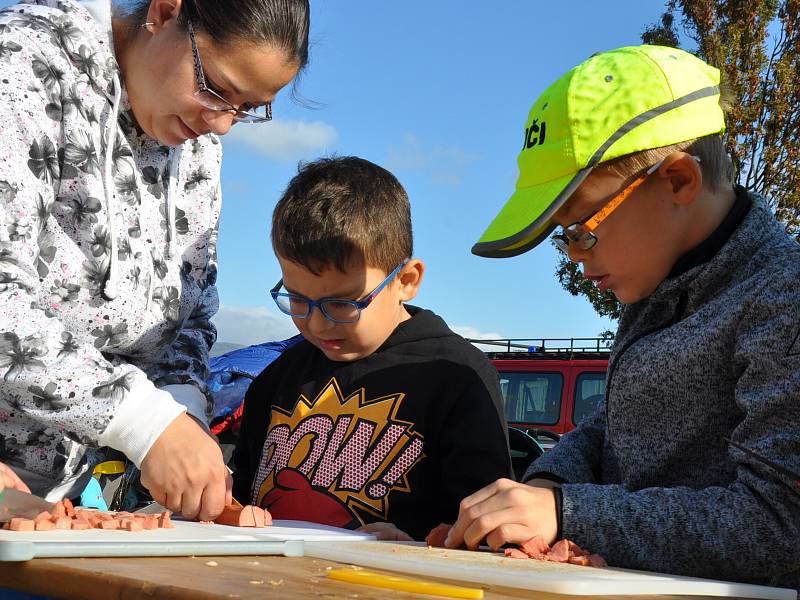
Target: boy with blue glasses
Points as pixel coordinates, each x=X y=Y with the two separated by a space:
x=382 y=418
x=705 y=370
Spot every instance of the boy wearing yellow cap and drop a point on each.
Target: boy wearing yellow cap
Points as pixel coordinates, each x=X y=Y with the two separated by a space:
x=623 y=157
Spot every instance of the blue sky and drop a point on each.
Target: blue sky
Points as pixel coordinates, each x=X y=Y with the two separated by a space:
x=438 y=93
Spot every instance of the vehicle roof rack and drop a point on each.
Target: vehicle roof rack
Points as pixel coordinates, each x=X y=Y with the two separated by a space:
x=544 y=348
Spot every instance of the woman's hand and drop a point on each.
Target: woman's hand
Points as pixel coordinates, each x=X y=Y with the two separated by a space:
x=184 y=471
x=386 y=532
x=9 y=479
x=505 y=512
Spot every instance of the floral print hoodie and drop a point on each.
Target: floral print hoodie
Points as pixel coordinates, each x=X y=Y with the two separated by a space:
x=107 y=254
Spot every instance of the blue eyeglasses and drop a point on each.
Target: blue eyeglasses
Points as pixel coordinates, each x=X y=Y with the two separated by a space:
x=338 y=310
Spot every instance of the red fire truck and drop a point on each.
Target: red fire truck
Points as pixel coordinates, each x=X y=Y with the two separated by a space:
x=548 y=386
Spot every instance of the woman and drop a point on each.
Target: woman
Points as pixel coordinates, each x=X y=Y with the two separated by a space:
x=109 y=196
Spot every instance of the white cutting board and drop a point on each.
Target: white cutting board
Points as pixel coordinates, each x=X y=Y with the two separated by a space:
x=490 y=568
x=188 y=538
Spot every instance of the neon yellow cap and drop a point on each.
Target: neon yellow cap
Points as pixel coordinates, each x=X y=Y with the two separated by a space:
x=613 y=104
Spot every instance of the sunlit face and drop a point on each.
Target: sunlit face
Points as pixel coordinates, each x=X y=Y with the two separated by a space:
x=349 y=341
x=637 y=245
x=158 y=68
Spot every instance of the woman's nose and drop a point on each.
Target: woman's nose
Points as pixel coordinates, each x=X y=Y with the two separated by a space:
x=219 y=121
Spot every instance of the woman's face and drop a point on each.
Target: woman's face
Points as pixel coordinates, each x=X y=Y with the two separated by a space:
x=158 y=67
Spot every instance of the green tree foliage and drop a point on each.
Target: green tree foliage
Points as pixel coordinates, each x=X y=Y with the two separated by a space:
x=756 y=45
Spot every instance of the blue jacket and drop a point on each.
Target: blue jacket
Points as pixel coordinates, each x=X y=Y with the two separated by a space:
x=231 y=373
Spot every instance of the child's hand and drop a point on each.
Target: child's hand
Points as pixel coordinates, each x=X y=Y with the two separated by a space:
x=505 y=512
x=9 y=479
x=386 y=532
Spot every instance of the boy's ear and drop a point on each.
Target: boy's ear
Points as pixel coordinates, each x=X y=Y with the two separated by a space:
x=682 y=176
x=411 y=279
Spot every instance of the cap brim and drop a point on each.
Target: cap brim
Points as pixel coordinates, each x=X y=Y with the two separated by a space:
x=525 y=220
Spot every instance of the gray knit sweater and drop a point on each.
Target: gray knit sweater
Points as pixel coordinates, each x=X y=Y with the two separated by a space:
x=714 y=352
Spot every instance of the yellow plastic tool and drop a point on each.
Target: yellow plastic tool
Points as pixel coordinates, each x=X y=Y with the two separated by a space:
x=234 y=501
x=109 y=467
x=405 y=584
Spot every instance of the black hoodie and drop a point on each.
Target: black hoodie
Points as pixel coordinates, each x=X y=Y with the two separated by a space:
x=402 y=435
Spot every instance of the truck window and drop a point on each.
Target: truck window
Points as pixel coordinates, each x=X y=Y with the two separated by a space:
x=589 y=391
x=533 y=398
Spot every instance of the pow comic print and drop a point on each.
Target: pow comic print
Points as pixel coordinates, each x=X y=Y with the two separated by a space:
x=331 y=453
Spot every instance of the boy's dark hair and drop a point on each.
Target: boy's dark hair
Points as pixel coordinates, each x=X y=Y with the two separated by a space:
x=343 y=209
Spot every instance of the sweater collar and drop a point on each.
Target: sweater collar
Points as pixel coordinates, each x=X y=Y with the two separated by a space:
x=728 y=248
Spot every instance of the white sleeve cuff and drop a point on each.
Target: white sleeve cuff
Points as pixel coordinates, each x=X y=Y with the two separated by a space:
x=192 y=398
x=139 y=420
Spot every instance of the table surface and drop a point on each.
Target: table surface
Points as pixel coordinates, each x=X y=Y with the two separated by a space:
x=207 y=578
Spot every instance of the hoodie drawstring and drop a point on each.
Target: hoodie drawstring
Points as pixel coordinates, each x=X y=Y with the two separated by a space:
x=150 y=285
x=172 y=193
x=111 y=285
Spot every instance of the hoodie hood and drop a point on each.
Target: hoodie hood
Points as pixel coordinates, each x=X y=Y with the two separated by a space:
x=423 y=325
x=82 y=31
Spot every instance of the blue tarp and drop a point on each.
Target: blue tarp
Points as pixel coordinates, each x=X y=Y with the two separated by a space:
x=231 y=373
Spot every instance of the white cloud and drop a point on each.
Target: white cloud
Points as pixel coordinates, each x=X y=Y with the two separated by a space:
x=472 y=333
x=408 y=155
x=444 y=165
x=285 y=140
x=247 y=326
x=238 y=187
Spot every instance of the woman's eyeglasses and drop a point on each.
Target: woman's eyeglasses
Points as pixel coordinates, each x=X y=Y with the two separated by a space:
x=208 y=98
